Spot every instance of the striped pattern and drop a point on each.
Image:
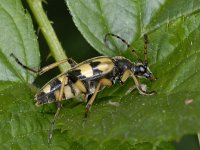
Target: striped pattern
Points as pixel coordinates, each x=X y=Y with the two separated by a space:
x=78 y=80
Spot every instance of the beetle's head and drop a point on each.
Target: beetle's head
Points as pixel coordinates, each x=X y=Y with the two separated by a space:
x=142 y=70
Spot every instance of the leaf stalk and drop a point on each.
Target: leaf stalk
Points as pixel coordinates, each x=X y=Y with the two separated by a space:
x=48 y=32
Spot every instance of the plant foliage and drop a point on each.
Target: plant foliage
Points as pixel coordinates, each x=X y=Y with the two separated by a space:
x=120 y=117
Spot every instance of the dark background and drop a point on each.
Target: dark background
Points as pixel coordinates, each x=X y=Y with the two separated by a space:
x=71 y=39
x=76 y=47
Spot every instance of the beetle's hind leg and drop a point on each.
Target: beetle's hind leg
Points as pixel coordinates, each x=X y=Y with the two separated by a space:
x=46 y=68
x=59 y=106
x=102 y=82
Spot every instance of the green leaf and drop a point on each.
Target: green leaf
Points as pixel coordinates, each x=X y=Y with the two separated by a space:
x=17 y=37
x=24 y=125
x=130 y=19
x=120 y=117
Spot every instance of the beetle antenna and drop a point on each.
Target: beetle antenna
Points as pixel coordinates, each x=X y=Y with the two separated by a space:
x=146 y=42
x=124 y=41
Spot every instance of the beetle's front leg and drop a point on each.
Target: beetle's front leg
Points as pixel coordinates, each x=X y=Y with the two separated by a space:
x=129 y=73
x=139 y=87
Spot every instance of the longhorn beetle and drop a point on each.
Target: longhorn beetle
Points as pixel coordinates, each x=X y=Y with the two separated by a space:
x=91 y=76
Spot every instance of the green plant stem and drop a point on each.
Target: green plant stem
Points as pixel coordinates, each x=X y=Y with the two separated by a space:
x=48 y=32
x=198 y=134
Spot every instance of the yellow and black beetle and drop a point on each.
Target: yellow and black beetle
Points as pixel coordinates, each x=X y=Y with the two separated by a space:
x=90 y=76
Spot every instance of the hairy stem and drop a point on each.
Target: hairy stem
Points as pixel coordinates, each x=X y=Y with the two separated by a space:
x=48 y=32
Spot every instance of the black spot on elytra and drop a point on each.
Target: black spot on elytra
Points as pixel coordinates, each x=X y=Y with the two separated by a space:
x=94 y=64
x=72 y=77
x=95 y=70
x=77 y=73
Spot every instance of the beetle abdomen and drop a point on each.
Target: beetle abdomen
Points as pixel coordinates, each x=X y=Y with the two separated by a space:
x=50 y=92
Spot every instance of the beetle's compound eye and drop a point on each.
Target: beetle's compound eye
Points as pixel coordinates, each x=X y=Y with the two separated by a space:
x=142 y=69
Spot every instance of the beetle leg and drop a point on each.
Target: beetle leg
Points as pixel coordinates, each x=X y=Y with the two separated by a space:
x=46 y=68
x=129 y=73
x=59 y=105
x=87 y=97
x=126 y=75
x=102 y=82
x=72 y=62
x=138 y=85
x=51 y=66
x=78 y=83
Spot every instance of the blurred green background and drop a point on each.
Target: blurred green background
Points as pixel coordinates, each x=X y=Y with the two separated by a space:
x=76 y=47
